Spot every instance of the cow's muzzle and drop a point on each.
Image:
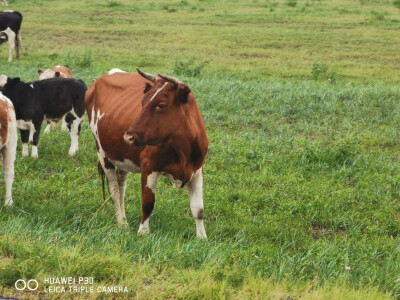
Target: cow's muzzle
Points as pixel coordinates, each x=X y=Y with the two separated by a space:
x=133 y=138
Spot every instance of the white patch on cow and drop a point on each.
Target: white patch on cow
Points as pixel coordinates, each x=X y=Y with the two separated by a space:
x=94 y=125
x=27 y=125
x=115 y=70
x=159 y=90
x=74 y=133
x=25 y=150
x=31 y=85
x=9 y=10
x=195 y=187
x=58 y=66
x=126 y=165
x=47 y=74
x=34 y=152
x=144 y=228
x=152 y=181
x=3 y=80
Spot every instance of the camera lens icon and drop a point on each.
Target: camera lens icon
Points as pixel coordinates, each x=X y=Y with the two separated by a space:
x=21 y=285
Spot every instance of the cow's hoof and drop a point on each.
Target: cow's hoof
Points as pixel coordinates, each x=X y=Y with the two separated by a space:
x=9 y=202
x=202 y=236
x=47 y=130
x=72 y=152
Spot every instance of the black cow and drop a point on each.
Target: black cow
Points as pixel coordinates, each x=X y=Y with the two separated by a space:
x=10 y=24
x=51 y=99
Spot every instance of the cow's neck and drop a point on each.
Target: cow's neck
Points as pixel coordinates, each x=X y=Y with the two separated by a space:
x=189 y=156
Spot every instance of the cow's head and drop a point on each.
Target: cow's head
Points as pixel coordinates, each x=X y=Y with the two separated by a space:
x=7 y=81
x=47 y=74
x=164 y=111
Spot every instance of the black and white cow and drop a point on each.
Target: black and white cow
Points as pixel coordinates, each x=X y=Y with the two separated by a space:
x=10 y=25
x=51 y=99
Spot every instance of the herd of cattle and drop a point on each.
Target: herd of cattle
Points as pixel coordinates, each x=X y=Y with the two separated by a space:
x=141 y=123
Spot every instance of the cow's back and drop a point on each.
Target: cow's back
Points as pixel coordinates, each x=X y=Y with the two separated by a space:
x=59 y=94
x=10 y=19
x=113 y=103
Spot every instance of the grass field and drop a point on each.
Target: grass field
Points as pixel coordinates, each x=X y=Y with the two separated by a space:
x=302 y=179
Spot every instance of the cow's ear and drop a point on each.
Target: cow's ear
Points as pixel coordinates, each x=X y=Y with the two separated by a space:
x=40 y=72
x=57 y=74
x=183 y=94
x=12 y=81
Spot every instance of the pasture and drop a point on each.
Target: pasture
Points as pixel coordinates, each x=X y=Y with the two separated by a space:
x=302 y=178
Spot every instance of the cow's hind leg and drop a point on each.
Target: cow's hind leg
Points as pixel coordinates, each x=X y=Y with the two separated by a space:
x=25 y=140
x=11 y=42
x=64 y=125
x=19 y=41
x=74 y=127
x=113 y=188
x=35 y=139
x=149 y=182
x=8 y=170
x=195 y=187
x=122 y=178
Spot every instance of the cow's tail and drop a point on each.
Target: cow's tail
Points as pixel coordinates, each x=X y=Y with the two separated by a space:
x=102 y=176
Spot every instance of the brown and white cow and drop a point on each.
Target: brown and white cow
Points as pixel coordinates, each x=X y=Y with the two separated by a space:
x=148 y=124
x=8 y=144
x=57 y=71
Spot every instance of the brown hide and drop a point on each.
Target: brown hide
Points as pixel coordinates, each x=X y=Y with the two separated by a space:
x=120 y=100
x=156 y=125
x=4 y=120
x=63 y=71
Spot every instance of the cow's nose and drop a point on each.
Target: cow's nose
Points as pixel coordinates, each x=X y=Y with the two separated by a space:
x=130 y=137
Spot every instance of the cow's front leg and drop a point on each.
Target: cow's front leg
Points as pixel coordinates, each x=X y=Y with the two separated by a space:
x=35 y=139
x=113 y=188
x=25 y=140
x=149 y=182
x=195 y=187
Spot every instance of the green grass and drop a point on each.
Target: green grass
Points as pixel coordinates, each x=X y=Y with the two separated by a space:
x=301 y=182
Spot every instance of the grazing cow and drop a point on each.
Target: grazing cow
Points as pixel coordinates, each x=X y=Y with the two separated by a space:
x=8 y=144
x=50 y=99
x=4 y=2
x=10 y=24
x=57 y=71
x=149 y=124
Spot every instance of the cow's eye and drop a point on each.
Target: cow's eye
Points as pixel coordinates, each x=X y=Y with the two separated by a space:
x=161 y=106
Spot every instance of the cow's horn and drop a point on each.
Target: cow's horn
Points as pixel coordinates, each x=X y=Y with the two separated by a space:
x=170 y=79
x=147 y=75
